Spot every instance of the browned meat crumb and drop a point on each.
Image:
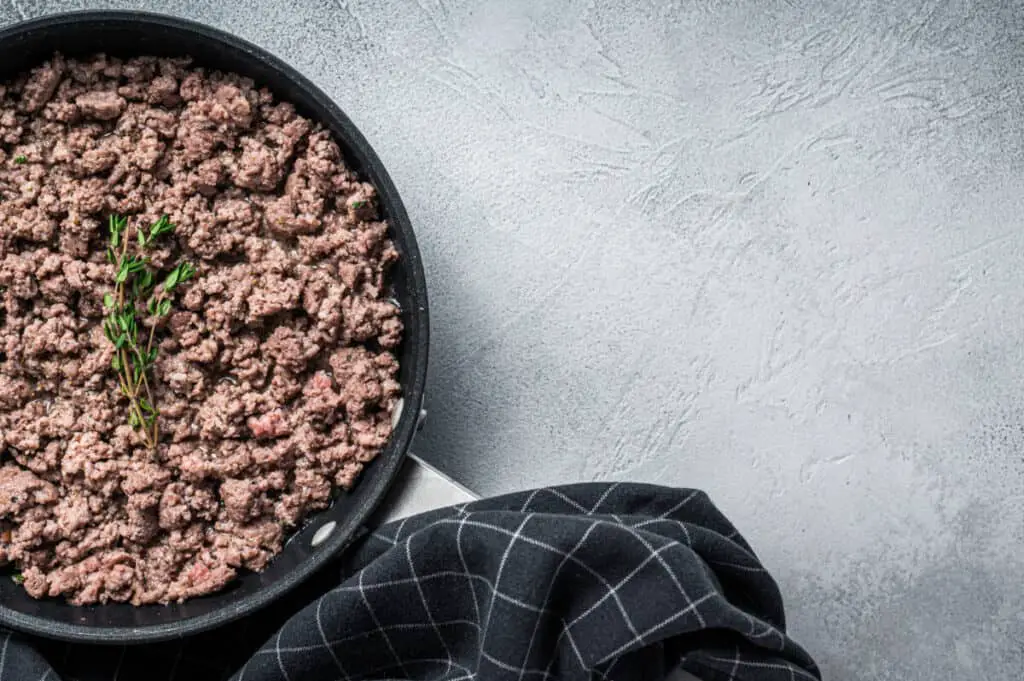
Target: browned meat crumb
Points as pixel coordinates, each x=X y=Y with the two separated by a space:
x=276 y=378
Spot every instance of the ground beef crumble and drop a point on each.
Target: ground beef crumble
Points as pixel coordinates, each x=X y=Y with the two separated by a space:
x=276 y=377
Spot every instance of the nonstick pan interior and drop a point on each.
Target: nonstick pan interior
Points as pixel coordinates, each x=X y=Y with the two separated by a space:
x=131 y=33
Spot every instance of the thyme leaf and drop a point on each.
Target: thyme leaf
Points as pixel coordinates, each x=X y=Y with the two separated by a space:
x=134 y=287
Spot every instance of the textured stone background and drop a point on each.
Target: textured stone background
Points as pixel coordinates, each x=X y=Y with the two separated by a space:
x=770 y=249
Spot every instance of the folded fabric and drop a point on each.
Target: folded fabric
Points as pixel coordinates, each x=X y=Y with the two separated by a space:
x=591 y=581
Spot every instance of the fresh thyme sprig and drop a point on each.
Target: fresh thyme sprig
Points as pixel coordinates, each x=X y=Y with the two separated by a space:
x=135 y=284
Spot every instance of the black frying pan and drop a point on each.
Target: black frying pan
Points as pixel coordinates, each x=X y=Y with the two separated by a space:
x=23 y=46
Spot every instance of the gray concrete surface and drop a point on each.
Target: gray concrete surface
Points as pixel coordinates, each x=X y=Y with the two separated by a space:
x=770 y=249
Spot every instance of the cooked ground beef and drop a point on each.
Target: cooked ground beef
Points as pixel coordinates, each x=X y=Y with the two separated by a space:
x=276 y=378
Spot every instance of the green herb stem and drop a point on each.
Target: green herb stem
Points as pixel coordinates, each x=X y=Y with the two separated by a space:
x=135 y=282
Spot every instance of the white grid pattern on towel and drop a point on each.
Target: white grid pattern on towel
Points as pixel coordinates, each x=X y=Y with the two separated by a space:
x=572 y=582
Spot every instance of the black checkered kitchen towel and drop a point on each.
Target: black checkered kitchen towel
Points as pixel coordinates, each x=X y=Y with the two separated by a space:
x=589 y=581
